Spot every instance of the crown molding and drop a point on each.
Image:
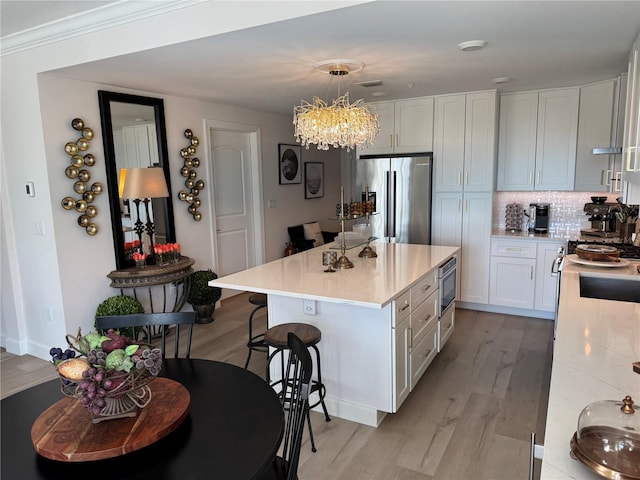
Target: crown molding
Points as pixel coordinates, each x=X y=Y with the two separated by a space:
x=101 y=18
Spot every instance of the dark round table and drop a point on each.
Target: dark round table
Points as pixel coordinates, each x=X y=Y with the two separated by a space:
x=233 y=431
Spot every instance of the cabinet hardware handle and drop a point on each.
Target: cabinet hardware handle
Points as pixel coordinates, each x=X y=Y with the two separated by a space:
x=608 y=177
x=618 y=180
x=537 y=177
x=426 y=355
x=427 y=318
x=531 y=273
x=425 y=288
x=448 y=327
x=466 y=205
x=530 y=177
x=459 y=204
x=410 y=332
x=466 y=178
x=513 y=249
x=397 y=140
x=404 y=308
x=391 y=139
x=459 y=178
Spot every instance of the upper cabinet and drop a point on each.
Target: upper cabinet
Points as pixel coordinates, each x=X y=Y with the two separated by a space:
x=598 y=157
x=631 y=144
x=406 y=126
x=537 y=140
x=464 y=142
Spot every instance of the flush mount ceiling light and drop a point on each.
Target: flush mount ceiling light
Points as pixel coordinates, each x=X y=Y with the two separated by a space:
x=340 y=124
x=501 y=80
x=472 y=45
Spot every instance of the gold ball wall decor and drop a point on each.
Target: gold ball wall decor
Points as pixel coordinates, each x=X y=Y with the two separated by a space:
x=82 y=177
x=188 y=171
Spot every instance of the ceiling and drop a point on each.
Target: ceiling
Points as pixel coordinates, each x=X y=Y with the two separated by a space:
x=411 y=46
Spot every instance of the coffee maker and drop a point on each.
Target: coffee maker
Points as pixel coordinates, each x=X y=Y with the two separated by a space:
x=538 y=217
x=602 y=218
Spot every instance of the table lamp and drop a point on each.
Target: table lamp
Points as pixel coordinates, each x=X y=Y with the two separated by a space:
x=142 y=184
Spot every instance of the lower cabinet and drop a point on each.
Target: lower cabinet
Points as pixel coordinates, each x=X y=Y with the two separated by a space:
x=446 y=325
x=403 y=366
x=521 y=274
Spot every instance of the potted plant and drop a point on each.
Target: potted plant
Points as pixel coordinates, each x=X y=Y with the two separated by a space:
x=120 y=305
x=202 y=297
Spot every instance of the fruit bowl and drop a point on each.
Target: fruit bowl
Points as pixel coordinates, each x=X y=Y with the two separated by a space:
x=110 y=382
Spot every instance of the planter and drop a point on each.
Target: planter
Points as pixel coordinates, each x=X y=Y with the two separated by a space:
x=204 y=313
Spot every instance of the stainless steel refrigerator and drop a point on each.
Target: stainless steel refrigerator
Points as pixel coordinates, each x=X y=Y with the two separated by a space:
x=400 y=187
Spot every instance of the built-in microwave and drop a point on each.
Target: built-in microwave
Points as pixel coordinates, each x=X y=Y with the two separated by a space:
x=447 y=283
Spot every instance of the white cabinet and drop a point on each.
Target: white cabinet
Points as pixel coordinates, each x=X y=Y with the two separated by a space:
x=597 y=129
x=406 y=126
x=464 y=220
x=521 y=274
x=402 y=362
x=424 y=336
x=537 y=140
x=546 y=294
x=446 y=325
x=631 y=144
x=464 y=142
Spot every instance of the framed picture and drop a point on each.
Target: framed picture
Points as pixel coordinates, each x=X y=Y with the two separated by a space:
x=313 y=180
x=289 y=164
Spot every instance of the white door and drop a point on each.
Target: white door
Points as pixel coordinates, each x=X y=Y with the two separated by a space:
x=233 y=200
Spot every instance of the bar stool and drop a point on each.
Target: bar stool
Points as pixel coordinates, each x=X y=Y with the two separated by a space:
x=277 y=337
x=256 y=342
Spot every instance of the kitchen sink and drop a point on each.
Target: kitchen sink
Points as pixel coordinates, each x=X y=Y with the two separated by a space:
x=623 y=289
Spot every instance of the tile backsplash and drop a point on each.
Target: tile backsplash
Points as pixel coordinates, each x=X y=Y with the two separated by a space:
x=566 y=214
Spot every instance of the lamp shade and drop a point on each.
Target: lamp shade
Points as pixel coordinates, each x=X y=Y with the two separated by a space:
x=145 y=183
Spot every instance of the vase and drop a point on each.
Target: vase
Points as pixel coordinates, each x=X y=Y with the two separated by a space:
x=204 y=313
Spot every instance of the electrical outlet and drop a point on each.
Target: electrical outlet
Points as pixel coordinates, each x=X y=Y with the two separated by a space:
x=40 y=227
x=309 y=307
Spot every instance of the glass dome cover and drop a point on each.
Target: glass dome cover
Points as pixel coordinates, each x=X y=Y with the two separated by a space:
x=608 y=439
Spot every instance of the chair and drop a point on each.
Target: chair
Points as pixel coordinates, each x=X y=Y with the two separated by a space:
x=149 y=320
x=256 y=342
x=277 y=337
x=295 y=398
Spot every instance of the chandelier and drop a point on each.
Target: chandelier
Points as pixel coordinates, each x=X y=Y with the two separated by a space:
x=339 y=124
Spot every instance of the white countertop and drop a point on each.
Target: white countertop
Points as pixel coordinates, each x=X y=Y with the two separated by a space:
x=596 y=343
x=373 y=282
x=527 y=235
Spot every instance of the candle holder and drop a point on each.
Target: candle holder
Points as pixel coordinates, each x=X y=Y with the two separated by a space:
x=343 y=262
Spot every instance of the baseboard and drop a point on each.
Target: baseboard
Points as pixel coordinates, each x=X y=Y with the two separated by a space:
x=351 y=411
x=13 y=346
x=521 y=312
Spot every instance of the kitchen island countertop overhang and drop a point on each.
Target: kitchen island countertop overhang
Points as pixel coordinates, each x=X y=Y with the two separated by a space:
x=372 y=283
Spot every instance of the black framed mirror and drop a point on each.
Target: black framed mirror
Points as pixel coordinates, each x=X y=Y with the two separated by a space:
x=134 y=136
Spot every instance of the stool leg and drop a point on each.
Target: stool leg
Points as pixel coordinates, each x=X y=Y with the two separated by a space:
x=250 y=345
x=321 y=388
x=313 y=443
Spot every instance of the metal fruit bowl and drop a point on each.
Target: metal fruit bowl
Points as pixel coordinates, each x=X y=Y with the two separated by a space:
x=598 y=253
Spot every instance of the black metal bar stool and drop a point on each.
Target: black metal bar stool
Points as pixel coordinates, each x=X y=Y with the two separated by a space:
x=277 y=337
x=256 y=342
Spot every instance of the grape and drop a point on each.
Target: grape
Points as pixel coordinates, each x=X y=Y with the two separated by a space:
x=99 y=377
x=107 y=384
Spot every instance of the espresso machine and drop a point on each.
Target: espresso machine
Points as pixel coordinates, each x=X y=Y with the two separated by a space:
x=538 y=217
x=602 y=218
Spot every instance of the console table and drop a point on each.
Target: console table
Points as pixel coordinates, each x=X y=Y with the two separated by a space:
x=140 y=280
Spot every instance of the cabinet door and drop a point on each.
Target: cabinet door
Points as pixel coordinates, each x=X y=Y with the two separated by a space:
x=402 y=363
x=517 y=141
x=447 y=219
x=512 y=282
x=448 y=143
x=556 y=139
x=414 y=125
x=423 y=353
x=546 y=284
x=595 y=124
x=476 y=247
x=384 y=140
x=480 y=142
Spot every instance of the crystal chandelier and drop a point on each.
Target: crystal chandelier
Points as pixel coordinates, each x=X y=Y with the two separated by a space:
x=341 y=124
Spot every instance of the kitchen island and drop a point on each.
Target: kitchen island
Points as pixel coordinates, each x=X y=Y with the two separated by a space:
x=380 y=320
x=596 y=343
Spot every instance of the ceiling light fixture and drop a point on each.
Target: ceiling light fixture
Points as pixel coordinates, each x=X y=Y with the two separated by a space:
x=501 y=79
x=341 y=124
x=472 y=45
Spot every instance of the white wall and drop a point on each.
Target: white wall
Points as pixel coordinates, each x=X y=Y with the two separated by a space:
x=51 y=283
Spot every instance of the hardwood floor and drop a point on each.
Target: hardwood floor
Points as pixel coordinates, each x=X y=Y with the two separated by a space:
x=470 y=416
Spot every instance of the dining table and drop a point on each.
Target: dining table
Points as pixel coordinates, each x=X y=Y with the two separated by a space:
x=232 y=430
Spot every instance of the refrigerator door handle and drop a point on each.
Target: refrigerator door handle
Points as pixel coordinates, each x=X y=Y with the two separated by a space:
x=392 y=205
x=386 y=213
